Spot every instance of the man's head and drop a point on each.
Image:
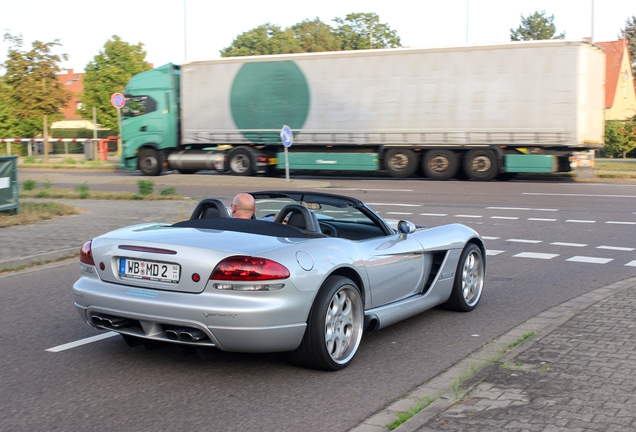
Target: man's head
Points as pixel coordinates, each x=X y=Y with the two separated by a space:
x=243 y=206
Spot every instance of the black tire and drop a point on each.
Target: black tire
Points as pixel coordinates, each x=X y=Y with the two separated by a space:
x=507 y=176
x=334 y=327
x=240 y=162
x=150 y=162
x=400 y=163
x=440 y=164
x=481 y=165
x=469 y=280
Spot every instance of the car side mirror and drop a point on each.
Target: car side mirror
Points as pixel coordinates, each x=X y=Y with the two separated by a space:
x=406 y=227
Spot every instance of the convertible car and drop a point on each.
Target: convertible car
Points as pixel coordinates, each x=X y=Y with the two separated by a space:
x=309 y=275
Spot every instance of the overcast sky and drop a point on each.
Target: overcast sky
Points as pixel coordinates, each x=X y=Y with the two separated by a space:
x=83 y=26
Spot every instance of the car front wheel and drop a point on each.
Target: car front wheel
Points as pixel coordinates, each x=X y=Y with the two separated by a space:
x=469 y=280
x=334 y=328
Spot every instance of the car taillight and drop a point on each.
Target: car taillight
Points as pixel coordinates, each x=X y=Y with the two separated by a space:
x=245 y=268
x=86 y=253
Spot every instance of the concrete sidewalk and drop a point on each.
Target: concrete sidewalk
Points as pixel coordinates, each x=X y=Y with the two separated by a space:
x=575 y=370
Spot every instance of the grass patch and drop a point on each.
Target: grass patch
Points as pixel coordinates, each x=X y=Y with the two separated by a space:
x=616 y=165
x=404 y=416
x=518 y=341
x=34 y=212
x=146 y=187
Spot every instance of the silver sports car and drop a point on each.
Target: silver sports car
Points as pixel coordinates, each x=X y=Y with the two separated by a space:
x=308 y=275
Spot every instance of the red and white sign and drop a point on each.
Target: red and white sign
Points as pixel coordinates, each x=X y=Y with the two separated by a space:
x=118 y=100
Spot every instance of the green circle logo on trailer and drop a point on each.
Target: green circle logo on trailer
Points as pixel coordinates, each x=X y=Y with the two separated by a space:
x=268 y=95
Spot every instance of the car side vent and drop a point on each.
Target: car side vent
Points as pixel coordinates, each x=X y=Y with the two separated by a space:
x=438 y=260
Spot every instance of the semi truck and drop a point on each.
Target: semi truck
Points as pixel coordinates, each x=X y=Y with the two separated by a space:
x=480 y=111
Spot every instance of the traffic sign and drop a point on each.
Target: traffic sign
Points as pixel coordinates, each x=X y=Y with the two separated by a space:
x=118 y=100
x=286 y=136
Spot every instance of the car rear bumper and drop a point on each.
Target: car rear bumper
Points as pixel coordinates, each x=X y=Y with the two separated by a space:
x=231 y=321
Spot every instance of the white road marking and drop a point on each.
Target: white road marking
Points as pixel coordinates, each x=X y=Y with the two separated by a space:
x=590 y=260
x=616 y=248
x=620 y=223
x=535 y=255
x=493 y=252
x=522 y=208
x=579 y=195
x=82 y=342
x=374 y=190
x=568 y=244
x=395 y=205
x=490 y=238
x=580 y=221
x=468 y=216
x=433 y=214
x=631 y=263
x=542 y=219
x=525 y=241
x=399 y=213
x=504 y=217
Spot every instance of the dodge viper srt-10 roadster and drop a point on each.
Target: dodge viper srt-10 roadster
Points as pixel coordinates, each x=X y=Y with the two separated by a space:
x=308 y=275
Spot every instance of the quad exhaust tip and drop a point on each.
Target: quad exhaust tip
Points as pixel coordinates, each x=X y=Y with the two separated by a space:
x=185 y=335
x=110 y=322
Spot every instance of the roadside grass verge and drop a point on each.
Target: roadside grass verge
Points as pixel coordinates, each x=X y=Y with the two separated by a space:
x=83 y=193
x=36 y=211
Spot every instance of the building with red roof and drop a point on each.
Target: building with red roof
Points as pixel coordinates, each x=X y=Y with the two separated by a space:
x=620 y=92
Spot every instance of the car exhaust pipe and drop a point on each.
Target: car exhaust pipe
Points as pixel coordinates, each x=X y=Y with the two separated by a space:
x=110 y=322
x=371 y=324
x=191 y=335
x=185 y=335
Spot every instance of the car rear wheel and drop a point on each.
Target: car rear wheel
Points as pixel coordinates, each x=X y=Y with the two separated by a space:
x=469 y=280
x=334 y=328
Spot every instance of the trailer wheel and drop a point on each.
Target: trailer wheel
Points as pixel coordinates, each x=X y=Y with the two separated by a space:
x=150 y=162
x=481 y=165
x=400 y=163
x=440 y=164
x=240 y=162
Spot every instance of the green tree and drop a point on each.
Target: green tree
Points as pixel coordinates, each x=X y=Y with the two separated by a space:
x=108 y=73
x=30 y=87
x=265 y=39
x=363 y=31
x=629 y=33
x=536 y=27
x=620 y=137
x=315 y=36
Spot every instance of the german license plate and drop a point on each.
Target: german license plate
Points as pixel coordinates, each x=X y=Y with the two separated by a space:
x=149 y=270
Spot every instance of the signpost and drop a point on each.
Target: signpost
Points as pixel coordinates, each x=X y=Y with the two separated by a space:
x=118 y=100
x=287 y=137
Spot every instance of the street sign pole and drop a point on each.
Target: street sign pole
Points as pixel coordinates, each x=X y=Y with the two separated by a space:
x=118 y=100
x=287 y=137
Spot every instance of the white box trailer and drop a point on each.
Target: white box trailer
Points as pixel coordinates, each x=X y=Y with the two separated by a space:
x=483 y=109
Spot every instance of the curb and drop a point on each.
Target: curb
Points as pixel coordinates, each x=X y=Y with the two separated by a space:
x=39 y=258
x=440 y=388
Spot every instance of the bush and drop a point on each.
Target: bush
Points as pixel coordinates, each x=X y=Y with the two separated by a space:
x=83 y=190
x=29 y=185
x=146 y=187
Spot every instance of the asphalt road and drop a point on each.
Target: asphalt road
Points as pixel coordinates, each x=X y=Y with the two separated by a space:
x=548 y=242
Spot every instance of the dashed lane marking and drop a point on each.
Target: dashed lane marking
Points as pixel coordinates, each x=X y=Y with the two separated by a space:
x=542 y=219
x=616 y=248
x=490 y=238
x=399 y=213
x=82 y=342
x=631 y=263
x=522 y=208
x=525 y=241
x=568 y=244
x=579 y=195
x=580 y=221
x=545 y=256
x=504 y=217
x=395 y=205
x=433 y=214
x=493 y=252
x=468 y=216
x=589 y=260
x=620 y=223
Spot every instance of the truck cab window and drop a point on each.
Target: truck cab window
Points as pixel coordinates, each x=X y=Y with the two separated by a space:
x=138 y=105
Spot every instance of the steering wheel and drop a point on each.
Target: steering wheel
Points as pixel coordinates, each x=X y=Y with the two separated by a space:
x=328 y=229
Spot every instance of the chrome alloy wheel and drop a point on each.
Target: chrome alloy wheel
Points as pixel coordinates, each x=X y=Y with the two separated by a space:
x=472 y=278
x=343 y=324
